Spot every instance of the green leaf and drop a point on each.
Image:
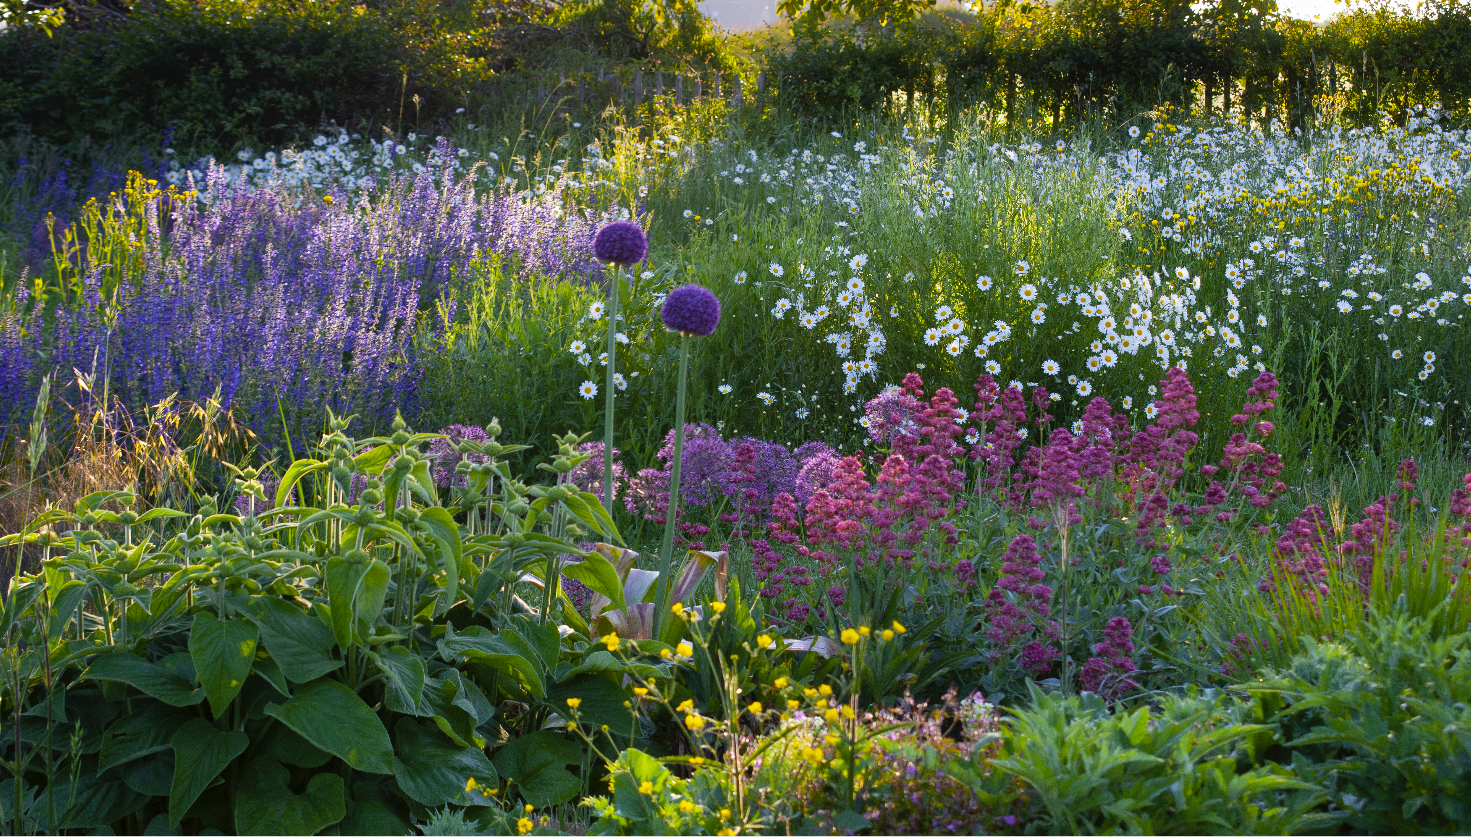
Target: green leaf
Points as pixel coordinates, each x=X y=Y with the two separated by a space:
x=298 y=469
x=152 y=776
x=333 y=717
x=373 y=811
x=403 y=676
x=201 y=752
x=433 y=770
x=443 y=529
x=602 y=701
x=144 y=732
x=535 y=762
x=439 y=704
x=152 y=680
x=264 y=803
x=299 y=642
x=600 y=576
x=283 y=744
x=504 y=651
x=344 y=583
x=222 y=652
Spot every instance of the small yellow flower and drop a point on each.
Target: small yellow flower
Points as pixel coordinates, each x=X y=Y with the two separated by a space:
x=678 y=609
x=686 y=806
x=326 y=198
x=611 y=641
x=779 y=683
x=640 y=691
x=694 y=722
x=764 y=641
x=863 y=630
x=725 y=832
x=810 y=692
x=718 y=607
x=666 y=653
x=574 y=702
x=898 y=628
x=684 y=649
x=887 y=634
x=697 y=760
x=755 y=708
x=687 y=706
x=847 y=711
x=832 y=740
x=725 y=813
x=825 y=690
x=523 y=825
x=647 y=788
x=849 y=636
x=793 y=704
x=812 y=754
x=831 y=715
x=470 y=784
x=529 y=809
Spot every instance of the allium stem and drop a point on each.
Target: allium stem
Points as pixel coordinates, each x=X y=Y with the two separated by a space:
x=666 y=552
x=614 y=281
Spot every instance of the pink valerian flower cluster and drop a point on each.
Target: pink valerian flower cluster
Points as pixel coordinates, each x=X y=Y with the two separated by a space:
x=1304 y=551
x=1108 y=672
x=1019 y=605
x=1005 y=413
x=1154 y=459
x=1460 y=507
x=1246 y=465
x=1239 y=652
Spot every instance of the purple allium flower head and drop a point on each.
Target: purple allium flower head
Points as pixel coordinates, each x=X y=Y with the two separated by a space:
x=444 y=454
x=621 y=242
x=691 y=309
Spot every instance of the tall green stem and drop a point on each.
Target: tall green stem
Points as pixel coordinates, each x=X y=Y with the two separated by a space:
x=666 y=552
x=613 y=283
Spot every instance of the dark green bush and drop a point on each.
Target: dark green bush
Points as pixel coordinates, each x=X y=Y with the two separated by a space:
x=224 y=74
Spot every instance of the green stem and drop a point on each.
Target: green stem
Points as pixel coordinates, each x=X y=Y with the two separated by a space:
x=666 y=552
x=613 y=282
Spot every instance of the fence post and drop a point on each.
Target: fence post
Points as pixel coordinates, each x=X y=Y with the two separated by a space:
x=678 y=89
x=760 y=88
x=697 y=88
x=736 y=84
x=638 y=91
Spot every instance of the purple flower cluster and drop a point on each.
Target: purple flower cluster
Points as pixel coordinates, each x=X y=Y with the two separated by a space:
x=445 y=455
x=1108 y=672
x=588 y=476
x=691 y=309
x=283 y=305
x=621 y=243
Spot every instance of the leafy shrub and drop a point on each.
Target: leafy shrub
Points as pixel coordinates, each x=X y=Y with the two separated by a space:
x=1191 y=766
x=223 y=74
x=1380 y=718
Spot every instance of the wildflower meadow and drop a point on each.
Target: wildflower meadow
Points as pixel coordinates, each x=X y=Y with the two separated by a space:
x=724 y=471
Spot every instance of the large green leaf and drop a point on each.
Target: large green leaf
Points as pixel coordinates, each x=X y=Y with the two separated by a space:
x=144 y=732
x=148 y=678
x=442 y=704
x=374 y=811
x=201 y=752
x=600 y=576
x=443 y=529
x=536 y=763
x=264 y=803
x=355 y=591
x=602 y=701
x=299 y=642
x=93 y=804
x=504 y=651
x=403 y=679
x=433 y=770
x=222 y=652
x=333 y=717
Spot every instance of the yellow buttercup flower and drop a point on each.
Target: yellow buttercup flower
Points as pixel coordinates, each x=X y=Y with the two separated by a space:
x=694 y=722
x=678 y=609
x=686 y=806
x=863 y=630
x=764 y=641
x=523 y=825
x=849 y=636
x=898 y=628
x=684 y=649
x=611 y=641
x=779 y=683
x=470 y=784
x=755 y=708
x=887 y=635
x=640 y=691
x=574 y=702
x=825 y=690
x=647 y=788
x=687 y=706
x=793 y=704
x=718 y=607
x=831 y=715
